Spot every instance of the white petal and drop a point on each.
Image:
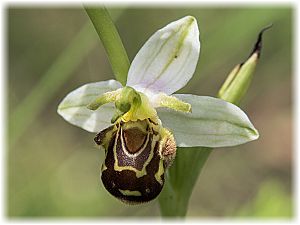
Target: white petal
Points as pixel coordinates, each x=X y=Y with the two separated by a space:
x=212 y=123
x=73 y=107
x=168 y=59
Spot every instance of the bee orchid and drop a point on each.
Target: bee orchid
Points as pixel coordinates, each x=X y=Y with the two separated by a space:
x=140 y=125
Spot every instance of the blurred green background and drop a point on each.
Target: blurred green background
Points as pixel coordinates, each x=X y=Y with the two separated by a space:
x=53 y=167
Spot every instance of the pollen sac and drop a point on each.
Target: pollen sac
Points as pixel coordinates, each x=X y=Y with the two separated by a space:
x=134 y=166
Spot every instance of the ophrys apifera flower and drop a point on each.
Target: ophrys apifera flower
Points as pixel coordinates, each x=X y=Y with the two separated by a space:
x=141 y=130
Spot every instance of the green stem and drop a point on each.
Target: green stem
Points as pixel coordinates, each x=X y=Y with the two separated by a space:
x=111 y=41
x=180 y=180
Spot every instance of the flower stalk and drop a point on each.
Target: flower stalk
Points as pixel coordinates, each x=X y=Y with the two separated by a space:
x=111 y=41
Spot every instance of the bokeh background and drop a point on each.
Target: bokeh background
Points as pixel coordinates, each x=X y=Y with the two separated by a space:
x=53 y=167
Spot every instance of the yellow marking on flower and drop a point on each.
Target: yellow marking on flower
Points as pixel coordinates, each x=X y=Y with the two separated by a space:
x=103 y=167
x=160 y=172
x=143 y=172
x=130 y=193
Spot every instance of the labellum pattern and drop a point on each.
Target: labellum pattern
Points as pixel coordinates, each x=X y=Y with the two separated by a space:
x=134 y=166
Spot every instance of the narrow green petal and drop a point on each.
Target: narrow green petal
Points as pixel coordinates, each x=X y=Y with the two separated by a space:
x=212 y=123
x=73 y=107
x=105 y=98
x=171 y=102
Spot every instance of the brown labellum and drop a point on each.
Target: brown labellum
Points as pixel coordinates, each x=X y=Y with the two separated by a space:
x=134 y=166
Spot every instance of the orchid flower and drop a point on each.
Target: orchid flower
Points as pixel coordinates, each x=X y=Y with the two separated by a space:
x=141 y=130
